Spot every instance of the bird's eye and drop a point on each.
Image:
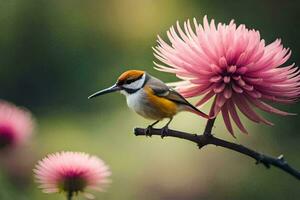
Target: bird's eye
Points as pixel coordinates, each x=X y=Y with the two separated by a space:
x=128 y=81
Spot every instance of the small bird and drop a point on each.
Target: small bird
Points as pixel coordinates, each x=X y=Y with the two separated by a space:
x=150 y=97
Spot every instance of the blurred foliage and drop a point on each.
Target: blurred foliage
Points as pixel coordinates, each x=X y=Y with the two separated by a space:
x=53 y=54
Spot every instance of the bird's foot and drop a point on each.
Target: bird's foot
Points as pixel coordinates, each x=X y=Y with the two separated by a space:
x=148 y=131
x=164 y=131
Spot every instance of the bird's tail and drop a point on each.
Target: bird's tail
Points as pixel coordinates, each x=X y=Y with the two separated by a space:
x=196 y=111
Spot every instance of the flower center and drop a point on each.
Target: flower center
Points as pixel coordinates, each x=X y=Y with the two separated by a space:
x=230 y=78
x=228 y=73
x=6 y=136
x=73 y=183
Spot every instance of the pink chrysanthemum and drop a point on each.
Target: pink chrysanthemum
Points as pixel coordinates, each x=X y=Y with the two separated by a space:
x=16 y=125
x=232 y=65
x=71 y=172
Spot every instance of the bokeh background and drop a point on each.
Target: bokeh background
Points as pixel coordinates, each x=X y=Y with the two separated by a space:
x=53 y=54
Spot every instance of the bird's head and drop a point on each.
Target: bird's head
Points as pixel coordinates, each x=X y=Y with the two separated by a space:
x=129 y=82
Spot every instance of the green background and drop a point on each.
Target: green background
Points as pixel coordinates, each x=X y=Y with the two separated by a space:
x=54 y=53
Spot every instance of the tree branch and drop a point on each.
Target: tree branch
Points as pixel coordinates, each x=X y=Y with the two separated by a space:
x=207 y=138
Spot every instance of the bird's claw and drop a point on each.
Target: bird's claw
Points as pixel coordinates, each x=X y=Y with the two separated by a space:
x=164 y=132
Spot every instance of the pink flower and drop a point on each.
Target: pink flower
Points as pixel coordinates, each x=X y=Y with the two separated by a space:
x=233 y=66
x=71 y=172
x=16 y=125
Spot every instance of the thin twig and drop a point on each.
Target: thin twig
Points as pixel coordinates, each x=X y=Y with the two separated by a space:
x=206 y=139
x=209 y=126
x=210 y=122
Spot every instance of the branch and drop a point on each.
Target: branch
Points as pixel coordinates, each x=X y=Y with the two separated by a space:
x=207 y=138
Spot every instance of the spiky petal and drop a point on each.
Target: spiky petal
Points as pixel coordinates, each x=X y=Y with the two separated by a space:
x=231 y=64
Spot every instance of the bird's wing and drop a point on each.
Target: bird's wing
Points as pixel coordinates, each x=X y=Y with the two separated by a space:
x=162 y=90
x=171 y=95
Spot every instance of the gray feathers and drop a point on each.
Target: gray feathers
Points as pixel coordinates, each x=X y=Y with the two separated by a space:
x=162 y=90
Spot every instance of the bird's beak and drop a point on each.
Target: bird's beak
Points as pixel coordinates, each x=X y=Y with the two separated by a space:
x=113 y=88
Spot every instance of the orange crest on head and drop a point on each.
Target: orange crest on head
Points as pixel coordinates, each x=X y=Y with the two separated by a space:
x=130 y=74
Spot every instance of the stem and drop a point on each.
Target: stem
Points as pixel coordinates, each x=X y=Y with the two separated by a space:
x=210 y=122
x=69 y=195
x=209 y=126
x=206 y=139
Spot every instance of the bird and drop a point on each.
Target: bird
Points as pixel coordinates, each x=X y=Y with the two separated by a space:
x=150 y=97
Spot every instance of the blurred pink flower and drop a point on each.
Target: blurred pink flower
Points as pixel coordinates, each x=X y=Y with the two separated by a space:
x=71 y=172
x=16 y=125
x=232 y=65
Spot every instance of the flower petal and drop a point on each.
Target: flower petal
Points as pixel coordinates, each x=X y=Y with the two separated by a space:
x=227 y=119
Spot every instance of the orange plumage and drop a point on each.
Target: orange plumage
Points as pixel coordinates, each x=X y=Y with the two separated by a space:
x=130 y=74
x=165 y=107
